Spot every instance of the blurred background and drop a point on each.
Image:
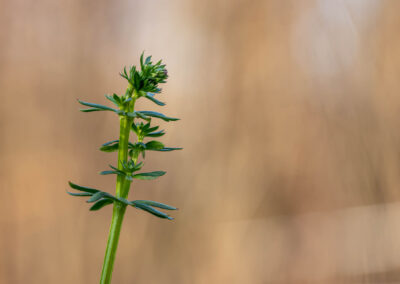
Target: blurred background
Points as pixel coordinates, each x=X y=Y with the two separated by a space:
x=290 y=125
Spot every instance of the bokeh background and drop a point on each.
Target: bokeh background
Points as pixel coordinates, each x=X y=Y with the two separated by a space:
x=290 y=123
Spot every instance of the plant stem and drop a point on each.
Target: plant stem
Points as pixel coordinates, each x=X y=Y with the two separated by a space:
x=125 y=128
x=112 y=244
x=122 y=190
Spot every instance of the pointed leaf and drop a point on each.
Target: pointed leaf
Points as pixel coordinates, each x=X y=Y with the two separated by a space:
x=111 y=146
x=115 y=171
x=155 y=204
x=113 y=100
x=153 y=211
x=157 y=115
x=116 y=98
x=100 y=204
x=134 y=128
x=168 y=149
x=152 y=129
x=154 y=145
x=146 y=127
x=109 y=173
x=156 y=134
x=142 y=116
x=96 y=196
x=149 y=176
x=90 y=109
x=114 y=168
x=110 y=142
x=148 y=60
x=82 y=188
x=124 y=74
x=141 y=60
x=79 y=194
x=150 y=96
x=96 y=107
x=138 y=166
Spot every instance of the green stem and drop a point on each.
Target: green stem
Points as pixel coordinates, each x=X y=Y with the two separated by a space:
x=125 y=128
x=112 y=244
x=122 y=190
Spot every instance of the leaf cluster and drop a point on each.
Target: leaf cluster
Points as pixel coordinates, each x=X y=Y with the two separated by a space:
x=146 y=79
x=102 y=199
x=145 y=115
x=143 y=82
x=129 y=169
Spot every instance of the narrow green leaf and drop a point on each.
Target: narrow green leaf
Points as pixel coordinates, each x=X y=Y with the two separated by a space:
x=148 y=60
x=150 y=96
x=155 y=134
x=79 y=194
x=116 y=98
x=168 y=149
x=111 y=146
x=142 y=116
x=82 y=188
x=115 y=169
x=109 y=173
x=109 y=149
x=146 y=127
x=154 y=145
x=138 y=166
x=113 y=198
x=149 y=176
x=110 y=142
x=100 y=204
x=124 y=74
x=153 y=211
x=134 y=128
x=157 y=115
x=113 y=100
x=96 y=107
x=90 y=109
x=137 y=81
x=155 y=204
x=152 y=129
x=96 y=196
x=141 y=60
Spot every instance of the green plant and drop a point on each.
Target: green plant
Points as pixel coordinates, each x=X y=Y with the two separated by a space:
x=142 y=83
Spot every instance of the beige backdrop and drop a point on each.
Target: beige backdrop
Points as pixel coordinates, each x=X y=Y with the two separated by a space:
x=290 y=123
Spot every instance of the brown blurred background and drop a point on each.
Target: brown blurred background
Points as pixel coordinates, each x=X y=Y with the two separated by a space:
x=290 y=123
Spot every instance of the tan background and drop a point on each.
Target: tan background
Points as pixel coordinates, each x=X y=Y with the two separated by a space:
x=290 y=123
